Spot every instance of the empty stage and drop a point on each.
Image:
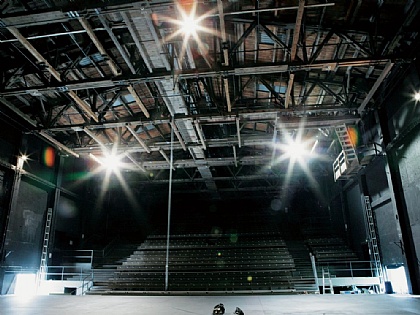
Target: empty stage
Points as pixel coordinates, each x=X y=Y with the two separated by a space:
x=203 y=305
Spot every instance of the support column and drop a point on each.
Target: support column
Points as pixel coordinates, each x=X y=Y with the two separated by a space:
x=395 y=183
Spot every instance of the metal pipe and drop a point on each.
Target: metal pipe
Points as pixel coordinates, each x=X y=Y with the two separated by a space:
x=309 y=6
x=234 y=156
x=200 y=134
x=169 y=210
x=238 y=131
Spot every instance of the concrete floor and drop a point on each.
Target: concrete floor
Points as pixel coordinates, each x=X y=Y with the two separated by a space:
x=203 y=305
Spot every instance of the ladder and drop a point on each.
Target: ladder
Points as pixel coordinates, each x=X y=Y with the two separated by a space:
x=44 y=253
x=327 y=286
x=346 y=143
x=347 y=163
x=372 y=240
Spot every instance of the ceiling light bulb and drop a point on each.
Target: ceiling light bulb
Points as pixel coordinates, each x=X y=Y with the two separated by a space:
x=296 y=150
x=189 y=25
x=111 y=162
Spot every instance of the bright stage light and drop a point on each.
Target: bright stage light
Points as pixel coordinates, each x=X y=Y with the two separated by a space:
x=189 y=25
x=417 y=96
x=21 y=161
x=111 y=162
x=295 y=150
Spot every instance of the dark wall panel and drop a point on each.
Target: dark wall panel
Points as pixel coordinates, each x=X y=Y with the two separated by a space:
x=388 y=235
x=68 y=223
x=377 y=181
x=25 y=228
x=356 y=220
x=410 y=176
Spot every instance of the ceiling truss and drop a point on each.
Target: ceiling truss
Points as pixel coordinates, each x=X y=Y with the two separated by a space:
x=90 y=78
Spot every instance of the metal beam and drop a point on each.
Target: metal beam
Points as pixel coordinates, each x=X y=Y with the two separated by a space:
x=15 y=32
x=58 y=144
x=117 y=43
x=238 y=132
x=245 y=116
x=139 y=46
x=309 y=6
x=280 y=67
x=94 y=137
x=178 y=135
x=375 y=86
x=200 y=134
x=247 y=32
x=114 y=68
x=138 y=100
x=296 y=32
x=18 y=112
x=246 y=140
x=289 y=89
x=166 y=158
x=354 y=43
x=271 y=89
x=274 y=37
x=227 y=94
x=223 y=33
x=158 y=43
x=139 y=140
x=132 y=159
x=331 y=92
x=293 y=51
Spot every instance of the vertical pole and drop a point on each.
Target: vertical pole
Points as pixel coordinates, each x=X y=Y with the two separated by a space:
x=169 y=208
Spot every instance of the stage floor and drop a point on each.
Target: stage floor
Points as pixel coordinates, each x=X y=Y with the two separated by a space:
x=203 y=305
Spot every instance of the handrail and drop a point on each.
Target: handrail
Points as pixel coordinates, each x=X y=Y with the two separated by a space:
x=87 y=283
x=337 y=266
x=61 y=271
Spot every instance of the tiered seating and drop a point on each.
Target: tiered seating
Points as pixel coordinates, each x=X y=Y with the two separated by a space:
x=202 y=262
x=333 y=254
x=327 y=249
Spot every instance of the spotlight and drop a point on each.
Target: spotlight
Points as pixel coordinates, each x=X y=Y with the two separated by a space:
x=417 y=96
x=189 y=25
x=111 y=162
x=21 y=160
x=219 y=309
x=296 y=150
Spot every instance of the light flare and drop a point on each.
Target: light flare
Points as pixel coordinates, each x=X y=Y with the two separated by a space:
x=190 y=26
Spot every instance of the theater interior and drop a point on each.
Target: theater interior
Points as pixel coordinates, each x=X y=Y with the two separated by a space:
x=167 y=156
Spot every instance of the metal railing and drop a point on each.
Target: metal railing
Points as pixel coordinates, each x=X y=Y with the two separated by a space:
x=71 y=273
x=66 y=272
x=87 y=283
x=352 y=269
